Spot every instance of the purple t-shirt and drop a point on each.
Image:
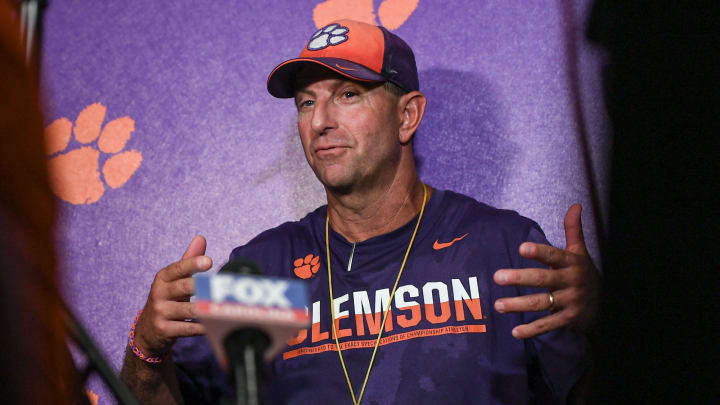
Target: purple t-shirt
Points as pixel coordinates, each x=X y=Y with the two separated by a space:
x=443 y=341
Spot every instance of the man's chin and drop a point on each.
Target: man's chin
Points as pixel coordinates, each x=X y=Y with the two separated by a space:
x=336 y=186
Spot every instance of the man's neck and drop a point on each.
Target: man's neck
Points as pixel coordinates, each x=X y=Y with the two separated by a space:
x=362 y=215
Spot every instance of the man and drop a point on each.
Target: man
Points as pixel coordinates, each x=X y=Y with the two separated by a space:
x=420 y=261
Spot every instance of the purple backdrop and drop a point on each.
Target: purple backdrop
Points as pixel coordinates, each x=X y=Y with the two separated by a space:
x=221 y=157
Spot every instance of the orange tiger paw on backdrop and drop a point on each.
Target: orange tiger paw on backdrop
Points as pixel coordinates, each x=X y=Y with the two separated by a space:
x=74 y=175
x=392 y=13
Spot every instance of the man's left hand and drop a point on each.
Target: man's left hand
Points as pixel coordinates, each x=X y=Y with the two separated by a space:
x=572 y=279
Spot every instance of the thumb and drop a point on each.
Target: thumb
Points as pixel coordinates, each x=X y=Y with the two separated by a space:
x=196 y=247
x=574 y=239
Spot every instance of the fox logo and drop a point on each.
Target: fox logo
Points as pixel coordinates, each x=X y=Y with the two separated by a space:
x=249 y=290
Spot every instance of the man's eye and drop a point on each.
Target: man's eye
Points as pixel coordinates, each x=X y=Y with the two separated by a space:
x=306 y=103
x=349 y=94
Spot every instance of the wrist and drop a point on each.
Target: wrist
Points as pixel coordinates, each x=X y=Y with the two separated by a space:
x=139 y=349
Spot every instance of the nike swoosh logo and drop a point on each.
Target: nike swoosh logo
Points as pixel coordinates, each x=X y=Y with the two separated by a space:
x=437 y=245
x=344 y=68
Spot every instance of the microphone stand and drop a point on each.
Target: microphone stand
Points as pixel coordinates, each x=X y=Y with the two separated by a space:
x=245 y=349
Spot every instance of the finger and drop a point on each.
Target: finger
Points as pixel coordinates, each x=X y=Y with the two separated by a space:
x=185 y=268
x=197 y=247
x=546 y=254
x=171 y=311
x=179 y=311
x=528 y=303
x=544 y=278
x=574 y=239
x=539 y=326
x=176 y=329
x=181 y=289
x=578 y=276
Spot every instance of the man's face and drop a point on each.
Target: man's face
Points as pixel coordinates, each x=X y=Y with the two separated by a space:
x=349 y=130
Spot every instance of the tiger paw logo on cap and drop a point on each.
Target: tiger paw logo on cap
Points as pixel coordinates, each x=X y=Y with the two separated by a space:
x=328 y=35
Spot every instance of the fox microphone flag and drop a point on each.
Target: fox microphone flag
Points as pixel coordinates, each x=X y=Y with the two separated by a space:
x=227 y=302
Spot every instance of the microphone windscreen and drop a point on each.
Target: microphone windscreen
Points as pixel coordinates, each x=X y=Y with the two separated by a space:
x=241 y=266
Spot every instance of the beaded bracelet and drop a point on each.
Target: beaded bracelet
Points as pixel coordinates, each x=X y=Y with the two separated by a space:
x=135 y=349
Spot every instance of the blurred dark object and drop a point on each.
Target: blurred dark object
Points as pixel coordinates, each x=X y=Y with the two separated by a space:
x=657 y=339
x=37 y=365
x=38 y=368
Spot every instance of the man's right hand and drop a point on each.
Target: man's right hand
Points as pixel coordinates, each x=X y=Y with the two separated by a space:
x=163 y=320
x=168 y=305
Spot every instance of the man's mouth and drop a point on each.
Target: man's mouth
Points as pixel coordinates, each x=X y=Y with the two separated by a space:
x=330 y=151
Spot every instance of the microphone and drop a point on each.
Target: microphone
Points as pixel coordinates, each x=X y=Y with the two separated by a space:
x=249 y=318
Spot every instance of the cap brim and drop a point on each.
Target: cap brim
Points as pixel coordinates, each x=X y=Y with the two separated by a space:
x=281 y=81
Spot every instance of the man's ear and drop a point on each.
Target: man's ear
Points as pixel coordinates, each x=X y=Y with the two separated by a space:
x=411 y=107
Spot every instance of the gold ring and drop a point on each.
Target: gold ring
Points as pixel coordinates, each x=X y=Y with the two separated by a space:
x=552 y=301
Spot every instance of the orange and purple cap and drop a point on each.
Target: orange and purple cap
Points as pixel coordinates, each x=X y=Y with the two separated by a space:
x=353 y=49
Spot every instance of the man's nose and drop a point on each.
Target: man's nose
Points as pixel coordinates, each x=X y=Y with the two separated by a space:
x=323 y=117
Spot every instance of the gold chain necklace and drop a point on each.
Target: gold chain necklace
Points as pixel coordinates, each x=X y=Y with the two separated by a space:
x=387 y=311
